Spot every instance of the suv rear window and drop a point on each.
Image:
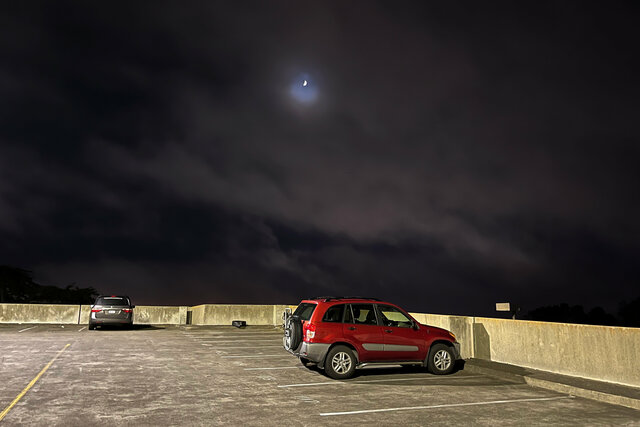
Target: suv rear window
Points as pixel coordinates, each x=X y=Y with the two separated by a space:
x=112 y=301
x=305 y=310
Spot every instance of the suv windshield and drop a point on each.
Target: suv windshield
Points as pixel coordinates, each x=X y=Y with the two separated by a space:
x=305 y=310
x=112 y=301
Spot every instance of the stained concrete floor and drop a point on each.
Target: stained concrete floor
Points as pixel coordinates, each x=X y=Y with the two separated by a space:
x=188 y=375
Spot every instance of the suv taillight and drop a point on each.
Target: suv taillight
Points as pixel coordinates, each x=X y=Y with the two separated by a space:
x=309 y=330
x=95 y=311
x=127 y=310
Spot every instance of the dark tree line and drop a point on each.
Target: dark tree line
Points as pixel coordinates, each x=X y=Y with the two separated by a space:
x=17 y=286
x=628 y=314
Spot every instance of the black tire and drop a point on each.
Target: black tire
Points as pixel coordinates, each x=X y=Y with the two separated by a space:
x=292 y=333
x=340 y=363
x=91 y=326
x=441 y=360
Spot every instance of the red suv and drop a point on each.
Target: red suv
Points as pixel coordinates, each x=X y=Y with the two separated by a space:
x=341 y=334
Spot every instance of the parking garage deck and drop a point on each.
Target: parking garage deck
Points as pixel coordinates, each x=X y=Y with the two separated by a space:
x=204 y=375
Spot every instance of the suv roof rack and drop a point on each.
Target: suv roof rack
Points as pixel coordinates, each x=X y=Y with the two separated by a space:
x=327 y=299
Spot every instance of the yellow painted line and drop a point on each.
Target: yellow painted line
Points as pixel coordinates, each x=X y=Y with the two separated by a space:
x=31 y=384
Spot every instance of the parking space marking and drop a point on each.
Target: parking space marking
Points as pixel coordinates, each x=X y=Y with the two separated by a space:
x=33 y=381
x=237 y=341
x=374 y=381
x=275 y=337
x=447 y=405
x=240 y=334
x=84 y=327
x=246 y=346
x=250 y=357
x=26 y=329
x=278 y=367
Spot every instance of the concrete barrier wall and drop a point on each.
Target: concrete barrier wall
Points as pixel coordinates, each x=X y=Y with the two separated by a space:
x=601 y=353
x=597 y=352
x=79 y=314
x=39 y=313
x=159 y=315
x=461 y=326
x=224 y=314
x=85 y=312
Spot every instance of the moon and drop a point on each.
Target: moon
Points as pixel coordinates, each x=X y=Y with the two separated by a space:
x=304 y=89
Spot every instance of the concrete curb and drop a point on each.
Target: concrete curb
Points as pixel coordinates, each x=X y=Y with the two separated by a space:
x=595 y=390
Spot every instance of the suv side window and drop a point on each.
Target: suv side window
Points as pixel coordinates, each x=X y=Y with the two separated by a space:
x=391 y=316
x=364 y=314
x=334 y=314
x=348 y=315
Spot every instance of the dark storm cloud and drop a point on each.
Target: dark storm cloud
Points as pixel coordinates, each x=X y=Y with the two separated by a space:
x=453 y=150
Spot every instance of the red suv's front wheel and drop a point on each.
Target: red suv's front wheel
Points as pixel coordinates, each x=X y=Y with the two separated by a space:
x=441 y=359
x=340 y=363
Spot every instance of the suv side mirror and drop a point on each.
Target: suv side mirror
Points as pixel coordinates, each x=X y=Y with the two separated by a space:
x=133 y=306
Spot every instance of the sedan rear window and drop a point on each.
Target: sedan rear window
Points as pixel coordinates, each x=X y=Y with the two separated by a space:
x=112 y=301
x=305 y=310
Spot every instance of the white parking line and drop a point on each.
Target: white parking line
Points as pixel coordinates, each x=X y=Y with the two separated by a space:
x=26 y=329
x=84 y=327
x=245 y=334
x=275 y=337
x=252 y=357
x=237 y=341
x=374 y=381
x=448 y=405
x=246 y=346
x=279 y=367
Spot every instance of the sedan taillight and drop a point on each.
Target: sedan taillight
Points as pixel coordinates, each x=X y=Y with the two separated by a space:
x=95 y=311
x=127 y=310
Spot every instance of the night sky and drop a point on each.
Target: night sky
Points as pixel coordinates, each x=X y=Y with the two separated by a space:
x=444 y=156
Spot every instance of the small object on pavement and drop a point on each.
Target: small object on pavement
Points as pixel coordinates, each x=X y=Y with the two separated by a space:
x=239 y=323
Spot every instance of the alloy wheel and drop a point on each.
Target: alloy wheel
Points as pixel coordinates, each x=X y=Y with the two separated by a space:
x=341 y=362
x=442 y=360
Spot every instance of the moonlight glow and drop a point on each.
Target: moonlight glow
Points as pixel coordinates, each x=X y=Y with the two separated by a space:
x=303 y=89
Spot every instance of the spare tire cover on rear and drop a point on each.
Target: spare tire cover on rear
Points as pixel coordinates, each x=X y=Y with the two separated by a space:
x=292 y=333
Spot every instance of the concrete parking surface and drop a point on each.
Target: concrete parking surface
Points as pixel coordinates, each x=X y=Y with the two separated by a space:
x=189 y=375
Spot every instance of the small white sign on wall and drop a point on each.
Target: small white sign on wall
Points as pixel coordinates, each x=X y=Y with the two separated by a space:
x=503 y=306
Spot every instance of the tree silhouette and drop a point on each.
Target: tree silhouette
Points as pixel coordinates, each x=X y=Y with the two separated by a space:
x=17 y=286
x=629 y=313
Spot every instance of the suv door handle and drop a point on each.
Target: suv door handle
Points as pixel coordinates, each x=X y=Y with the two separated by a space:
x=352 y=328
x=388 y=331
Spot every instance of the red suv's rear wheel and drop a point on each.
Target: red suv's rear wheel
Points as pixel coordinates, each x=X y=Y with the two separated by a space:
x=340 y=363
